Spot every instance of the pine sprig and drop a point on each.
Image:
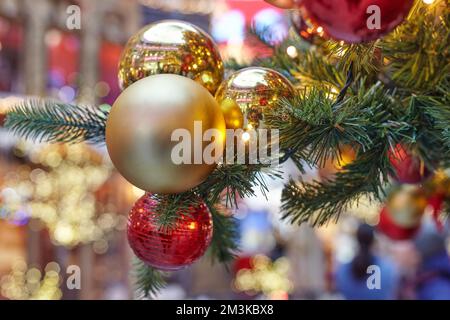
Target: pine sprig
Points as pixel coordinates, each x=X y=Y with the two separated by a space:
x=172 y=206
x=236 y=181
x=317 y=127
x=223 y=246
x=418 y=50
x=381 y=120
x=318 y=202
x=148 y=280
x=49 y=121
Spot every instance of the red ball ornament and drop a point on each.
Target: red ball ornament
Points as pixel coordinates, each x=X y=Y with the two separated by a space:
x=356 y=21
x=408 y=168
x=393 y=231
x=168 y=249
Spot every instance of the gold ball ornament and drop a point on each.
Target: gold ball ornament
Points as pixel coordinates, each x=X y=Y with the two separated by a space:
x=332 y=166
x=174 y=47
x=140 y=127
x=406 y=205
x=252 y=90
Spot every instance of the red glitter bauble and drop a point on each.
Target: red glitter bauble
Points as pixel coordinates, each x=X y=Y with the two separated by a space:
x=393 y=231
x=172 y=248
x=408 y=168
x=356 y=21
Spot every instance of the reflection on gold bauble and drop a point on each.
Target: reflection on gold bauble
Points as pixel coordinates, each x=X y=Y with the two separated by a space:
x=284 y=4
x=253 y=90
x=406 y=205
x=140 y=126
x=175 y=47
x=234 y=119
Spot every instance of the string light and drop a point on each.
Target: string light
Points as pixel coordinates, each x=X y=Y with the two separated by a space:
x=292 y=52
x=265 y=276
x=61 y=194
x=24 y=283
x=245 y=136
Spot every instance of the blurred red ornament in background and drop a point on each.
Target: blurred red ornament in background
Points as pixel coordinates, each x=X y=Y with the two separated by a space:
x=436 y=202
x=168 y=249
x=244 y=262
x=408 y=168
x=393 y=231
x=356 y=21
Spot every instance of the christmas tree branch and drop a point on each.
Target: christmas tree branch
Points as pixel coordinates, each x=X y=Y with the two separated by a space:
x=417 y=52
x=148 y=280
x=318 y=202
x=223 y=245
x=373 y=122
x=399 y=95
x=236 y=180
x=49 y=121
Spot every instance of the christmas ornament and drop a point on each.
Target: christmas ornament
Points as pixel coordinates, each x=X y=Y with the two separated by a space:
x=393 y=231
x=436 y=202
x=172 y=46
x=284 y=4
x=408 y=168
x=252 y=90
x=438 y=188
x=356 y=20
x=172 y=248
x=305 y=28
x=332 y=166
x=242 y=263
x=406 y=205
x=144 y=120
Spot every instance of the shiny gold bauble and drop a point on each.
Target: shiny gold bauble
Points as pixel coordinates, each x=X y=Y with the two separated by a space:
x=406 y=205
x=140 y=127
x=252 y=90
x=175 y=47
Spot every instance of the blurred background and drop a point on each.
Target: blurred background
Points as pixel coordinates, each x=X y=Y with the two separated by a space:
x=63 y=205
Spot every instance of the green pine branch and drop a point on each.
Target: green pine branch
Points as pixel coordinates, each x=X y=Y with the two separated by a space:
x=373 y=121
x=223 y=246
x=236 y=180
x=317 y=127
x=418 y=51
x=49 y=121
x=148 y=281
x=170 y=207
x=319 y=202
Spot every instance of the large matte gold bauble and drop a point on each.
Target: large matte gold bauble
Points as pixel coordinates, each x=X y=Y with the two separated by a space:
x=140 y=126
x=406 y=205
x=252 y=90
x=172 y=46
